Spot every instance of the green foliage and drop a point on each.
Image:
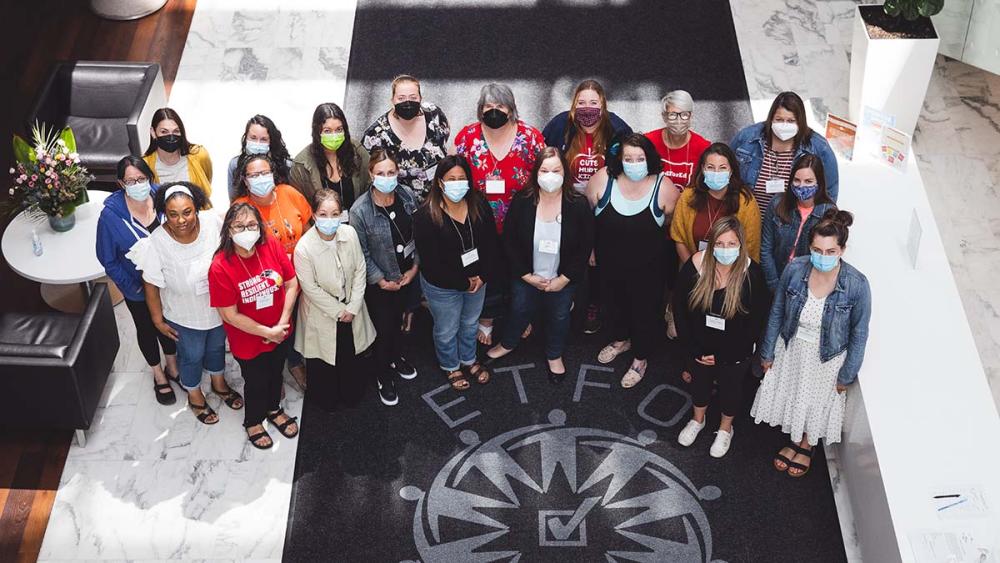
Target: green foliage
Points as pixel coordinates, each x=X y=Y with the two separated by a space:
x=912 y=9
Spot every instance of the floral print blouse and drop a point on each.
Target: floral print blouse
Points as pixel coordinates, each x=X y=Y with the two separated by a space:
x=416 y=166
x=500 y=179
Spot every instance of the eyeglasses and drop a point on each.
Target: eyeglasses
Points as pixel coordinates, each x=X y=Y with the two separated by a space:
x=237 y=228
x=675 y=115
x=259 y=174
x=134 y=181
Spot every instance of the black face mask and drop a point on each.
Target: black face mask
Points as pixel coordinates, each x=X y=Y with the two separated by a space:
x=168 y=143
x=407 y=110
x=495 y=118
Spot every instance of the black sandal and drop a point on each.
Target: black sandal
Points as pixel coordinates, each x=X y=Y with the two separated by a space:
x=778 y=458
x=230 y=397
x=168 y=398
x=803 y=468
x=273 y=417
x=255 y=440
x=206 y=411
x=481 y=375
x=457 y=380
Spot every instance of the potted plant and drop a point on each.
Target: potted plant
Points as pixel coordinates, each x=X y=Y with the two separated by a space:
x=48 y=177
x=892 y=57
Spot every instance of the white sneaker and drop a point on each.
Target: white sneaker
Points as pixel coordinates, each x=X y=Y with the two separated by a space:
x=690 y=432
x=721 y=444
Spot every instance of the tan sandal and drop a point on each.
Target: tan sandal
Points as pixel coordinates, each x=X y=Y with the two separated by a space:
x=458 y=381
x=481 y=375
x=633 y=376
x=610 y=352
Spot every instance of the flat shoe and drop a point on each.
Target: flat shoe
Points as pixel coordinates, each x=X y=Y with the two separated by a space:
x=632 y=377
x=609 y=352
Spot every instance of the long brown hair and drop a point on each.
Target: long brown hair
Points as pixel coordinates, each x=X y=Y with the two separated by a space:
x=786 y=207
x=703 y=292
x=531 y=189
x=435 y=196
x=604 y=131
x=793 y=103
x=163 y=114
x=734 y=191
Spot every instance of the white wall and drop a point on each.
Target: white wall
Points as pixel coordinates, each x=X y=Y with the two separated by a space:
x=970 y=32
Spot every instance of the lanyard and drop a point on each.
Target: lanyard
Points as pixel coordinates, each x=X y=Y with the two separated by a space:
x=461 y=239
x=245 y=269
x=395 y=226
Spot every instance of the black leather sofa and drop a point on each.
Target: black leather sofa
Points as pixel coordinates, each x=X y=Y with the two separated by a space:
x=53 y=366
x=108 y=105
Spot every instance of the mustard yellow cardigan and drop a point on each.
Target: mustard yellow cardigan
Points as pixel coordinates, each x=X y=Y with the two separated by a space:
x=682 y=225
x=199 y=168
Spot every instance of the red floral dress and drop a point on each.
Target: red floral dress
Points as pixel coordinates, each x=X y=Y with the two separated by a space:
x=513 y=170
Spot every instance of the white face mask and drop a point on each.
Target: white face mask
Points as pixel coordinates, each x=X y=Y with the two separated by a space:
x=550 y=181
x=246 y=239
x=784 y=131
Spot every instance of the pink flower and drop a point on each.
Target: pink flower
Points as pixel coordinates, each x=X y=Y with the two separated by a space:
x=34 y=177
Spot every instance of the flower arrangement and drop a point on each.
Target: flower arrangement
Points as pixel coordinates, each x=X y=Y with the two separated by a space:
x=48 y=177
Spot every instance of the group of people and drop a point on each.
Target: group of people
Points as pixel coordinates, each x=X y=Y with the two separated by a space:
x=323 y=258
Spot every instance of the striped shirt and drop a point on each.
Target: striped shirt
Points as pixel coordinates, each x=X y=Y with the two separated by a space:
x=776 y=165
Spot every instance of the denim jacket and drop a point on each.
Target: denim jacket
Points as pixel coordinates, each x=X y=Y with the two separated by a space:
x=777 y=238
x=749 y=145
x=375 y=235
x=845 y=315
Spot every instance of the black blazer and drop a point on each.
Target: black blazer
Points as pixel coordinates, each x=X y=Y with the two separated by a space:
x=577 y=234
x=440 y=250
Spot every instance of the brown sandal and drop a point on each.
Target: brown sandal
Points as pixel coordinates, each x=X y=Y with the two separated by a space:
x=458 y=380
x=481 y=375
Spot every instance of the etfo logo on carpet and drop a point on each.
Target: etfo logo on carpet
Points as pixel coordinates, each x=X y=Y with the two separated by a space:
x=555 y=489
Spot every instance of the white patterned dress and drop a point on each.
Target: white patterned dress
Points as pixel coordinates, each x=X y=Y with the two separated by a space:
x=799 y=391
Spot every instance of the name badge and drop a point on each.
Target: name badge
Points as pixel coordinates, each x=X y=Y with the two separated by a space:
x=201 y=286
x=702 y=245
x=718 y=323
x=470 y=257
x=265 y=301
x=774 y=186
x=409 y=248
x=548 y=246
x=495 y=186
x=807 y=334
x=429 y=173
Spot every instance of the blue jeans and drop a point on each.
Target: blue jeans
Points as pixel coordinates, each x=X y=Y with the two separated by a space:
x=456 y=319
x=198 y=350
x=525 y=300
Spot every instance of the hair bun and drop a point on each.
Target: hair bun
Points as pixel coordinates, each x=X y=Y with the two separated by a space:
x=839 y=216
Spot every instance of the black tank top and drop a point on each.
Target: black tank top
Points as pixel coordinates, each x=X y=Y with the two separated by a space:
x=628 y=243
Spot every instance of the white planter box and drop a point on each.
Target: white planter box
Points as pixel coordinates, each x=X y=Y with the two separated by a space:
x=890 y=75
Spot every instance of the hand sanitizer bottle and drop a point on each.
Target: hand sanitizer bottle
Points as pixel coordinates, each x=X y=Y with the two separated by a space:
x=36 y=243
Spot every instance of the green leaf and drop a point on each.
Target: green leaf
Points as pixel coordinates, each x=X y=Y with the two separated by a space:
x=929 y=8
x=910 y=11
x=22 y=150
x=67 y=137
x=893 y=7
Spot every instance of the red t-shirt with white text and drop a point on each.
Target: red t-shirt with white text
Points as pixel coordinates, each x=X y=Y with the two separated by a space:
x=679 y=164
x=256 y=285
x=585 y=164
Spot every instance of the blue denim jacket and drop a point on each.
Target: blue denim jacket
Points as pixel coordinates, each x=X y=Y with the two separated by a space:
x=777 y=238
x=375 y=235
x=845 y=316
x=749 y=145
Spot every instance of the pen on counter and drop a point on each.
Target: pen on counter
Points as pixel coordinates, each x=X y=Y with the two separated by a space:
x=952 y=504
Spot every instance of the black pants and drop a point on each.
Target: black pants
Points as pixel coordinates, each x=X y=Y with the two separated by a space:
x=386 y=309
x=146 y=334
x=730 y=379
x=342 y=385
x=635 y=304
x=263 y=379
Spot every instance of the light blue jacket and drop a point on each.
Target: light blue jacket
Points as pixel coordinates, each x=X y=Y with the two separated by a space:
x=845 y=316
x=749 y=145
x=375 y=234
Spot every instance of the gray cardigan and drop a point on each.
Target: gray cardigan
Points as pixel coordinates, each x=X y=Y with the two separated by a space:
x=375 y=235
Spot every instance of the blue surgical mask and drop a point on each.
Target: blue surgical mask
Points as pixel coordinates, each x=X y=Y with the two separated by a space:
x=257 y=147
x=456 y=190
x=823 y=262
x=716 y=179
x=327 y=225
x=635 y=170
x=261 y=186
x=385 y=184
x=138 y=192
x=805 y=191
x=726 y=255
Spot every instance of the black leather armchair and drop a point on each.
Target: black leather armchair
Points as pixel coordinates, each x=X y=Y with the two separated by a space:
x=53 y=366
x=109 y=105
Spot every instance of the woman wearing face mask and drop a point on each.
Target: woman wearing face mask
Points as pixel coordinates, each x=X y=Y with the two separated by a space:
x=720 y=307
x=174 y=261
x=252 y=284
x=459 y=250
x=548 y=237
x=261 y=136
x=414 y=132
x=767 y=150
x=172 y=158
x=680 y=148
x=814 y=344
x=383 y=219
x=332 y=160
x=334 y=327
x=791 y=216
x=128 y=217
x=632 y=200
x=716 y=192
x=501 y=151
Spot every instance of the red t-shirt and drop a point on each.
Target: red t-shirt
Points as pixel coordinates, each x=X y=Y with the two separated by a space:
x=505 y=176
x=256 y=285
x=679 y=164
x=585 y=164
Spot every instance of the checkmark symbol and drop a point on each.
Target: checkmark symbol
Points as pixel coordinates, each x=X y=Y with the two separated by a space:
x=562 y=531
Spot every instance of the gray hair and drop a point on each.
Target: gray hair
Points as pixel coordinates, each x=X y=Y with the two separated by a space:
x=494 y=93
x=680 y=99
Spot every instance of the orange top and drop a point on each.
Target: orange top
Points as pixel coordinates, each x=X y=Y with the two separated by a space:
x=287 y=217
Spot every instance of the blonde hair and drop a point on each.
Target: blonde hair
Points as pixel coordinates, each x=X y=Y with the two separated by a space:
x=405 y=78
x=703 y=293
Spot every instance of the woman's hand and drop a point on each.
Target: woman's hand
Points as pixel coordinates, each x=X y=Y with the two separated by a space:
x=841 y=388
x=475 y=284
x=557 y=284
x=766 y=365
x=387 y=285
x=708 y=360
x=166 y=330
x=407 y=277
x=345 y=316
x=593 y=259
x=535 y=281
x=276 y=333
